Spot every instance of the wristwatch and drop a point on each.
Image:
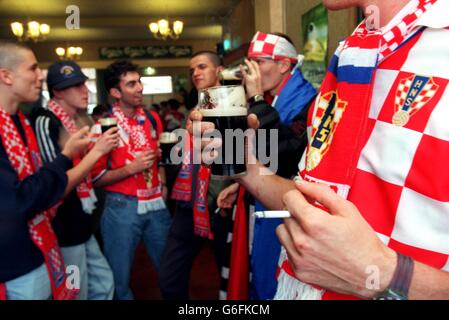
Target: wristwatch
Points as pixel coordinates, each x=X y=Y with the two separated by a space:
x=256 y=98
x=400 y=284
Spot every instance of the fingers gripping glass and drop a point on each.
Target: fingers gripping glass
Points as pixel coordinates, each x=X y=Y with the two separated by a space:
x=226 y=107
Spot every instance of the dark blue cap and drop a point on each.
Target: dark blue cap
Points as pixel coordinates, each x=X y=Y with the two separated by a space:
x=64 y=74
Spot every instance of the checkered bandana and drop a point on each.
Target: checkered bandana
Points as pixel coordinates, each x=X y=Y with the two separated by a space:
x=272 y=47
x=85 y=189
x=26 y=160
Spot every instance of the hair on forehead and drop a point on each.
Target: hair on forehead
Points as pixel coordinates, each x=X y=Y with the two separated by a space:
x=9 y=57
x=213 y=57
x=113 y=73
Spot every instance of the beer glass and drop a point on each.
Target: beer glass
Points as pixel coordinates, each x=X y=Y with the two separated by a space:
x=226 y=107
x=232 y=73
x=167 y=141
x=107 y=123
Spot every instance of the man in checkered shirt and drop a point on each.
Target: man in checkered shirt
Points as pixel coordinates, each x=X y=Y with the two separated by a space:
x=389 y=239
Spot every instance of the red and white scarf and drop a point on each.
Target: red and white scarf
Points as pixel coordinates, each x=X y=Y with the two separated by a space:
x=182 y=191
x=136 y=134
x=85 y=189
x=26 y=160
x=343 y=104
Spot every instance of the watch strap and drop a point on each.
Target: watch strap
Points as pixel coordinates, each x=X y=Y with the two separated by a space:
x=400 y=283
x=403 y=274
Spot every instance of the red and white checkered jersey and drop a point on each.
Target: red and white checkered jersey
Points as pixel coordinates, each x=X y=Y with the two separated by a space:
x=402 y=182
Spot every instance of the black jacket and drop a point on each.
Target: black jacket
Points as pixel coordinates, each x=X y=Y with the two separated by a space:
x=292 y=140
x=72 y=225
x=21 y=201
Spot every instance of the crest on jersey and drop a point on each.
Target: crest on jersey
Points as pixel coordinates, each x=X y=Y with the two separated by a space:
x=330 y=109
x=411 y=95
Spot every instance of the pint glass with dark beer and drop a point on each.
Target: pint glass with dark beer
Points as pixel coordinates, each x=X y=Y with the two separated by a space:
x=167 y=141
x=226 y=107
x=107 y=123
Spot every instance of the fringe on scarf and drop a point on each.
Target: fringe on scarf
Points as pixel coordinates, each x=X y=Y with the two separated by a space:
x=290 y=288
x=88 y=203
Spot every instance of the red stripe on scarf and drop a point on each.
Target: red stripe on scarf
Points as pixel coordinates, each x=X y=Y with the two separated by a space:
x=182 y=188
x=238 y=283
x=182 y=191
x=201 y=217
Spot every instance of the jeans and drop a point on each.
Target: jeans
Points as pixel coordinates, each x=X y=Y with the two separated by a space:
x=34 y=285
x=122 y=230
x=96 y=281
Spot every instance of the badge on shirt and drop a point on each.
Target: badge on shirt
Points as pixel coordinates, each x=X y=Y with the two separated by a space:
x=328 y=115
x=412 y=94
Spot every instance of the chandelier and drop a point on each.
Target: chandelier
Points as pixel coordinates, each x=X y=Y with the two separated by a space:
x=34 y=31
x=161 y=30
x=71 y=53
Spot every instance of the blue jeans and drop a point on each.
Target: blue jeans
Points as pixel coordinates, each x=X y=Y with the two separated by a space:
x=35 y=285
x=96 y=280
x=122 y=230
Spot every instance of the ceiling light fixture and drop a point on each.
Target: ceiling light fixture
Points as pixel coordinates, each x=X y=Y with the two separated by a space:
x=34 y=31
x=162 y=31
x=71 y=53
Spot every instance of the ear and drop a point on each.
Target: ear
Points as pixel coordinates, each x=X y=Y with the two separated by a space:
x=57 y=93
x=115 y=93
x=285 y=66
x=220 y=69
x=6 y=76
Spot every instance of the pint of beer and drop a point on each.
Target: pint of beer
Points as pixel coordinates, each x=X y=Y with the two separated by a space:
x=107 y=123
x=167 y=141
x=226 y=107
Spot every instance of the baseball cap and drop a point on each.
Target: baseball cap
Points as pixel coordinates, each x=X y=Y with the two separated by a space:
x=64 y=74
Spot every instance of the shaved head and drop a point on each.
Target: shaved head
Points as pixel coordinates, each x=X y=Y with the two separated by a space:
x=11 y=54
x=212 y=56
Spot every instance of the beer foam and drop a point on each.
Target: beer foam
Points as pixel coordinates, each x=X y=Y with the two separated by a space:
x=225 y=112
x=168 y=137
x=108 y=121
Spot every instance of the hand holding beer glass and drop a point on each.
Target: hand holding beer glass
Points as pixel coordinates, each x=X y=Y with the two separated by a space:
x=107 y=123
x=226 y=108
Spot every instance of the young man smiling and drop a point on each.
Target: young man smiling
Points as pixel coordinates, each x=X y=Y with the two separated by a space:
x=134 y=183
